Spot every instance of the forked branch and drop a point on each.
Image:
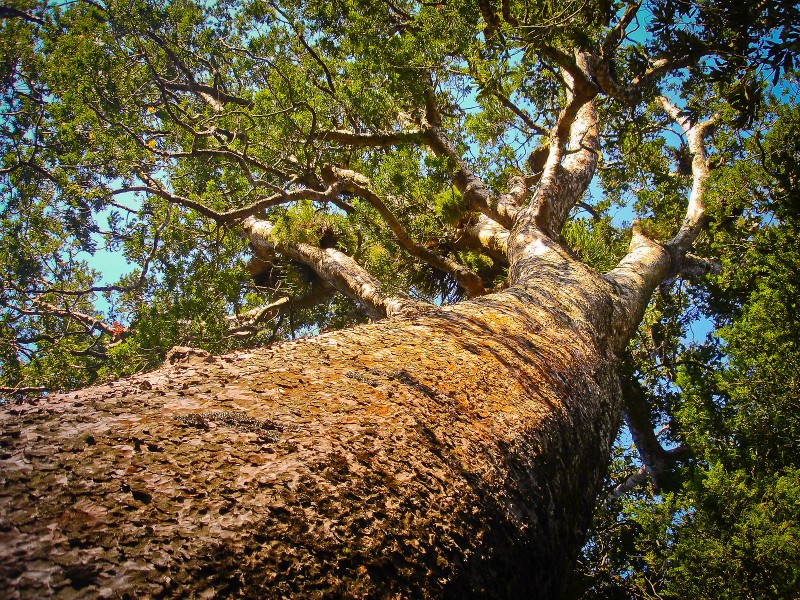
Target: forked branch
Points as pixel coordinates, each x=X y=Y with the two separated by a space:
x=647 y=262
x=695 y=219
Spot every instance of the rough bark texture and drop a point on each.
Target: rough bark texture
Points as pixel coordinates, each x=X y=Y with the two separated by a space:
x=456 y=454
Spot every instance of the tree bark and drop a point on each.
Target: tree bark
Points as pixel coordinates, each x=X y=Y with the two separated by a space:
x=455 y=454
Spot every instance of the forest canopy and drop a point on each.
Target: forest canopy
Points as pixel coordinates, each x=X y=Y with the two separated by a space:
x=226 y=175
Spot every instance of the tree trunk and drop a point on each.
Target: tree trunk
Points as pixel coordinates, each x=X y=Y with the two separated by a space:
x=454 y=454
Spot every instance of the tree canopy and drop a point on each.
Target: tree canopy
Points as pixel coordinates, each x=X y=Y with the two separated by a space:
x=239 y=160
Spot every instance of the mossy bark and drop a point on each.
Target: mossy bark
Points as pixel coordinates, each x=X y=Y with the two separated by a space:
x=455 y=454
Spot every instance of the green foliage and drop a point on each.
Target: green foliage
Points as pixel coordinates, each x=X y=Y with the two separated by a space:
x=596 y=243
x=743 y=540
x=450 y=206
x=305 y=223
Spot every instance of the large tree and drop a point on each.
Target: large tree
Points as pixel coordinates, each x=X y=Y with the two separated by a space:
x=458 y=173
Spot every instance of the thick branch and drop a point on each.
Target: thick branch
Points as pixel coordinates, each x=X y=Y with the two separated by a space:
x=336 y=268
x=695 y=220
x=89 y=322
x=501 y=208
x=507 y=16
x=380 y=139
x=9 y=12
x=660 y=463
x=574 y=69
x=566 y=176
x=360 y=185
x=630 y=484
x=648 y=263
x=566 y=173
x=697 y=266
x=570 y=163
x=634 y=279
x=617 y=33
x=475 y=193
x=631 y=93
x=490 y=17
x=580 y=162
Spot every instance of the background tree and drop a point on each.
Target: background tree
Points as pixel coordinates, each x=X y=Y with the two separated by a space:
x=269 y=170
x=727 y=526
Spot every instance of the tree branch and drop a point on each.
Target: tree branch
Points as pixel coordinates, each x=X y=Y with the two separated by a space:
x=565 y=175
x=648 y=263
x=237 y=214
x=248 y=324
x=631 y=93
x=114 y=288
x=567 y=170
x=361 y=186
x=506 y=102
x=660 y=463
x=216 y=97
x=336 y=268
x=484 y=235
x=630 y=484
x=89 y=322
x=526 y=118
x=379 y=139
x=8 y=391
x=617 y=33
x=9 y=12
x=695 y=219
x=500 y=208
x=633 y=280
x=490 y=17
x=697 y=266
x=316 y=57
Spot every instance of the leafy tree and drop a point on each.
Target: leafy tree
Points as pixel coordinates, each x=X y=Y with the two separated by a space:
x=466 y=174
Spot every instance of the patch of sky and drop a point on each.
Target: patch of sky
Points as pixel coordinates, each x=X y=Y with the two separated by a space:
x=109 y=263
